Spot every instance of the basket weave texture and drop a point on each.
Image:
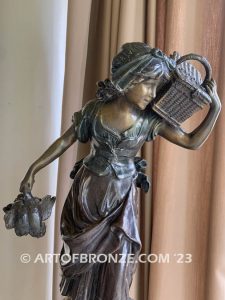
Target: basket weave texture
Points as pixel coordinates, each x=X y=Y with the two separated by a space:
x=184 y=95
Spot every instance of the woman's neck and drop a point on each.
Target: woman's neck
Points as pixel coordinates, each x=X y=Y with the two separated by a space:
x=125 y=106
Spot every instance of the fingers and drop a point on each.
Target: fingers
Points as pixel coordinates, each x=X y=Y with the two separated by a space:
x=214 y=83
x=208 y=90
x=211 y=83
x=26 y=186
x=25 y=189
x=211 y=87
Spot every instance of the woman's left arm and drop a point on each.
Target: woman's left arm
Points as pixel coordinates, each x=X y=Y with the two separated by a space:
x=197 y=137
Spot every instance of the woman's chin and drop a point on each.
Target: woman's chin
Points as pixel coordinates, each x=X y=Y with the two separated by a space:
x=142 y=106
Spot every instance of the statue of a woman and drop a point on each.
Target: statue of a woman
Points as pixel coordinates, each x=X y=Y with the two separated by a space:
x=100 y=212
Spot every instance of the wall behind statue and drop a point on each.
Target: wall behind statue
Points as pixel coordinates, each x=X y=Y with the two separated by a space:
x=32 y=60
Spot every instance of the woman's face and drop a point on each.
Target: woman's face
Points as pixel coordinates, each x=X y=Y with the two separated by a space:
x=141 y=94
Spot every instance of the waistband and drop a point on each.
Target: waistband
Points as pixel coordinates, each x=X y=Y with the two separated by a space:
x=94 y=164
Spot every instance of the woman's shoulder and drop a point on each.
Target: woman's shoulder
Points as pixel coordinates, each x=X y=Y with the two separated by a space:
x=89 y=106
x=82 y=120
x=87 y=110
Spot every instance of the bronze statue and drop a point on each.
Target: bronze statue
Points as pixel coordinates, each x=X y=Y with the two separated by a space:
x=100 y=211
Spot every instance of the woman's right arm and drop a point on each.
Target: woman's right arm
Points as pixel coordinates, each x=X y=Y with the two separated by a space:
x=53 y=152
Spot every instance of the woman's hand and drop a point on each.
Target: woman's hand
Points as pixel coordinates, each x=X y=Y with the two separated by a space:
x=211 y=88
x=27 y=183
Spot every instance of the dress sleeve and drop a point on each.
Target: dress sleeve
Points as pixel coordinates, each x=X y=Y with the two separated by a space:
x=82 y=122
x=154 y=121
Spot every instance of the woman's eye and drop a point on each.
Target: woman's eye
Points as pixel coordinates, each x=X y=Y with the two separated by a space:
x=149 y=85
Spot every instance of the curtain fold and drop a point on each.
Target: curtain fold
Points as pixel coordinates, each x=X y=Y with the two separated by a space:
x=184 y=211
x=187 y=196
x=76 y=54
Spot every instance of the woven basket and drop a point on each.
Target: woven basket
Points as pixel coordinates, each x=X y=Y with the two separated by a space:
x=184 y=94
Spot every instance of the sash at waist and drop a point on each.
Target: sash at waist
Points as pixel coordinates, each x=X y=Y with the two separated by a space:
x=123 y=167
x=103 y=162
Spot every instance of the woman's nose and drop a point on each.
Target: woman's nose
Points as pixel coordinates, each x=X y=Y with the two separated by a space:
x=152 y=92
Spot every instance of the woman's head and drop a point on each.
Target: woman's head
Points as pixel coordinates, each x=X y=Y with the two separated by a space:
x=137 y=62
x=137 y=71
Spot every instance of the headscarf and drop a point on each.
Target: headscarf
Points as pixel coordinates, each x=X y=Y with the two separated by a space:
x=137 y=59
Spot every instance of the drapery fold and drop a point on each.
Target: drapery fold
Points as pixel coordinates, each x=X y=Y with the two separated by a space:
x=184 y=185
x=184 y=212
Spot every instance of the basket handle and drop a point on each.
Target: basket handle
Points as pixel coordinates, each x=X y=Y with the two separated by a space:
x=202 y=60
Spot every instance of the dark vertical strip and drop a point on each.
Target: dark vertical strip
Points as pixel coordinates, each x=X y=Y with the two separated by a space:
x=145 y=22
x=161 y=23
x=143 y=279
x=161 y=12
x=110 y=38
x=89 y=80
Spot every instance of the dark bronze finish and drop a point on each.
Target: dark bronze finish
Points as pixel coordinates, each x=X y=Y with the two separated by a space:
x=100 y=211
x=27 y=213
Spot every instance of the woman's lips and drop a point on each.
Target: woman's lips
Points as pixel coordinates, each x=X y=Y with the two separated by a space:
x=147 y=100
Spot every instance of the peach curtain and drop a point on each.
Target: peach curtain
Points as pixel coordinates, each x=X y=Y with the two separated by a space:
x=188 y=203
x=184 y=212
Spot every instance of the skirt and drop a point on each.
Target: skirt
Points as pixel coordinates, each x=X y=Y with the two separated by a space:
x=99 y=222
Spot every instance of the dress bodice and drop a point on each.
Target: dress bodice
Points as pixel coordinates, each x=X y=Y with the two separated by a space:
x=111 y=150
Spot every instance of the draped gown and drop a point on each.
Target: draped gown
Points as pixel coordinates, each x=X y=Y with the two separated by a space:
x=100 y=212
